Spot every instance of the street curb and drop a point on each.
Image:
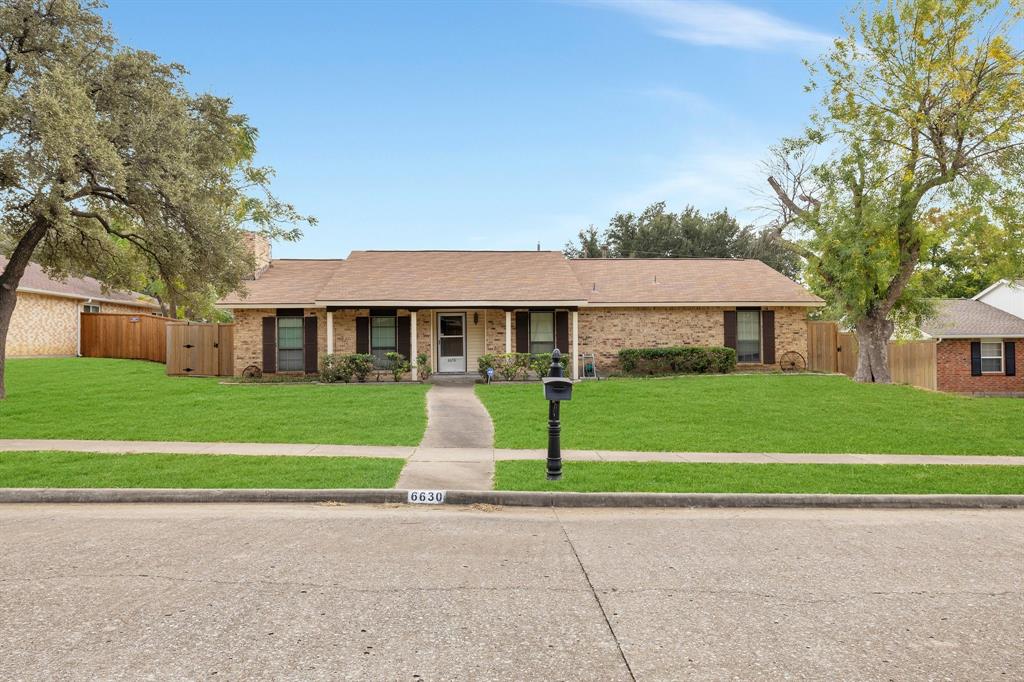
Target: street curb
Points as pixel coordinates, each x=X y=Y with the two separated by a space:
x=511 y=498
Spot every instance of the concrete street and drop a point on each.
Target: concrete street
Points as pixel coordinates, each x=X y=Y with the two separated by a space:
x=433 y=593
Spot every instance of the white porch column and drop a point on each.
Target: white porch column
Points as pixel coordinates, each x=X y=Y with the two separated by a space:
x=508 y=331
x=330 y=332
x=575 y=345
x=413 y=351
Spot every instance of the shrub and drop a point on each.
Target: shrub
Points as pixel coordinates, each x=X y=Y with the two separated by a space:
x=540 y=363
x=335 y=367
x=423 y=366
x=678 y=360
x=362 y=366
x=397 y=365
x=509 y=366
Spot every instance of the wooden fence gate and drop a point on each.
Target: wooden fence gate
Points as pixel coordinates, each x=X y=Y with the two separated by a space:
x=200 y=349
x=830 y=350
x=123 y=335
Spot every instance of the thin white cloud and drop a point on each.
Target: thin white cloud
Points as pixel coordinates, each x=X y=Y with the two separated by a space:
x=723 y=24
x=692 y=102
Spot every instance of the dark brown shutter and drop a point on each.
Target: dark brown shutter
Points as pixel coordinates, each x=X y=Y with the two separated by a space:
x=975 y=358
x=562 y=331
x=729 y=322
x=309 y=350
x=768 y=336
x=402 y=336
x=362 y=335
x=1010 y=358
x=522 y=332
x=269 y=344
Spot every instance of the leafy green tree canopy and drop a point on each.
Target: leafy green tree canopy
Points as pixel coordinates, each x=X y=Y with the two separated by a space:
x=110 y=167
x=921 y=116
x=657 y=233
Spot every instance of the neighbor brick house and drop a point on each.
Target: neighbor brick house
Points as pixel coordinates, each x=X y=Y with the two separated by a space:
x=458 y=305
x=47 y=313
x=978 y=347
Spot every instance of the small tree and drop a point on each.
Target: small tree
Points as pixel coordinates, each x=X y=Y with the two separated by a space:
x=110 y=167
x=922 y=114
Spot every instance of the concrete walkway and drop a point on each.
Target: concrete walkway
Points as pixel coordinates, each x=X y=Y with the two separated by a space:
x=455 y=453
x=486 y=454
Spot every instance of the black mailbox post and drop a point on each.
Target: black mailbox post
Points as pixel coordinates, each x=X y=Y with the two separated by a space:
x=556 y=389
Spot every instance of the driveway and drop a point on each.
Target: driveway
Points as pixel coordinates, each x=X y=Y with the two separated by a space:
x=409 y=593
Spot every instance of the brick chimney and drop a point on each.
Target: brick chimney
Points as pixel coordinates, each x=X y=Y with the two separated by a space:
x=260 y=248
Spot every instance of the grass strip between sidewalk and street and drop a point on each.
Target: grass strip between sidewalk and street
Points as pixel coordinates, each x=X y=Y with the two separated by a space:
x=684 y=477
x=57 y=469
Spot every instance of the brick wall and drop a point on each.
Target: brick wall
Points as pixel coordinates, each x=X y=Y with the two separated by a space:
x=605 y=331
x=953 y=371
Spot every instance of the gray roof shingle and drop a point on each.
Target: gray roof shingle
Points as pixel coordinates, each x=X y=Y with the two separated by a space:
x=35 y=279
x=965 y=317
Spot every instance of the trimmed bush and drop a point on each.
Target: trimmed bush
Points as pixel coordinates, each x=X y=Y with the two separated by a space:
x=423 y=366
x=508 y=366
x=397 y=365
x=678 y=360
x=541 y=363
x=341 y=367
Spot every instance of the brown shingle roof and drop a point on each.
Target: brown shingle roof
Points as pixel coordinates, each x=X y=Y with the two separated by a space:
x=37 y=281
x=390 y=278
x=286 y=282
x=453 y=276
x=705 y=281
x=959 y=317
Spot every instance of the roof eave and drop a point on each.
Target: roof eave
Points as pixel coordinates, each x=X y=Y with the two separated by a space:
x=86 y=297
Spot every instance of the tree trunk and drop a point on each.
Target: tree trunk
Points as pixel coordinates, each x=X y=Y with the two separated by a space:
x=873 y=334
x=9 y=280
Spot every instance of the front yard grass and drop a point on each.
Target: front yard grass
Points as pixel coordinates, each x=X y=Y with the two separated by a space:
x=94 y=398
x=758 y=413
x=684 y=477
x=92 y=470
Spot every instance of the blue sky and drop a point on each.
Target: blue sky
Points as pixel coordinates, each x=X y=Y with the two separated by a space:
x=496 y=125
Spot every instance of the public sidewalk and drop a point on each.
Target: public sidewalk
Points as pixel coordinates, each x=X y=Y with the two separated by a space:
x=488 y=454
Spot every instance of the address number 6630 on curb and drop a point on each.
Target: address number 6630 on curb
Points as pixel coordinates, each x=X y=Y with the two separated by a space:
x=426 y=497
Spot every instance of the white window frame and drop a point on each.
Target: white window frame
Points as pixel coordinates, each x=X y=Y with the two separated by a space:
x=86 y=307
x=301 y=348
x=760 y=337
x=1001 y=356
x=554 y=332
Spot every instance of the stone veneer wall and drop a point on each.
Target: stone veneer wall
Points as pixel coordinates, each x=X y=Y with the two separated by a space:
x=605 y=331
x=953 y=370
x=48 y=325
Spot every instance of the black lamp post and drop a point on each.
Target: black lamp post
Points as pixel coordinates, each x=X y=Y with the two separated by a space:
x=556 y=389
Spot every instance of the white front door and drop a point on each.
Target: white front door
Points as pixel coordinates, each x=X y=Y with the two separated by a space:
x=451 y=342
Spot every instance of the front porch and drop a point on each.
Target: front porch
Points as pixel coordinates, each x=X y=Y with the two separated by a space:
x=454 y=337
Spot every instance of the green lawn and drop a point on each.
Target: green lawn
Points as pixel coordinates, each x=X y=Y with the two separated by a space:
x=665 y=477
x=134 y=400
x=759 y=413
x=92 y=470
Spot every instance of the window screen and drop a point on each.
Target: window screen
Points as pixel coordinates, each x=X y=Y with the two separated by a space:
x=289 y=344
x=542 y=332
x=382 y=339
x=991 y=356
x=748 y=336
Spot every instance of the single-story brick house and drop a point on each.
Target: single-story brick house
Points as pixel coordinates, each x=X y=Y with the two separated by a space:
x=458 y=305
x=47 y=313
x=978 y=347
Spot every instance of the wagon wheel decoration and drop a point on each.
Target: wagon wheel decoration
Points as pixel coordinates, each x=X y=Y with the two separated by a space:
x=791 y=361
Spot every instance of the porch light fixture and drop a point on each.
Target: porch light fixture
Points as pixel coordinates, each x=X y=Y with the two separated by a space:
x=476 y=319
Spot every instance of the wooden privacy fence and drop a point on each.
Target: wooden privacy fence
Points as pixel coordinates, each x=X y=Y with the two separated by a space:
x=830 y=350
x=200 y=349
x=123 y=335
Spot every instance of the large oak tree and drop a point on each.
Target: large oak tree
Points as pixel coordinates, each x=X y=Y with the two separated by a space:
x=110 y=167
x=918 y=140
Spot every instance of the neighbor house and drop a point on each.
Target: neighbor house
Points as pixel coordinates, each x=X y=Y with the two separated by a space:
x=455 y=306
x=978 y=347
x=1006 y=295
x=47 y=314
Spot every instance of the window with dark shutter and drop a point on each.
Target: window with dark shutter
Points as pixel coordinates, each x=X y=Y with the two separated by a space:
x=403 y=329
x=522 y=332
x=729 y=321
x=768 y=336
x=270 y=344
x=363 y=335
x=1010 y=352
x=975 y=358
x=562 y=331
x=309 y=340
